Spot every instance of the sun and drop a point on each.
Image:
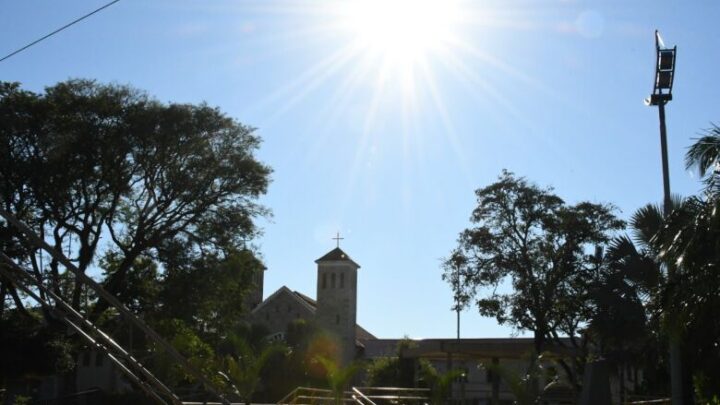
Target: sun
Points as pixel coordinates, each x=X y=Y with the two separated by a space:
x=400 y=33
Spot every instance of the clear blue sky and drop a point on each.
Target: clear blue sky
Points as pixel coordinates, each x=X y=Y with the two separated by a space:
x=385 y=141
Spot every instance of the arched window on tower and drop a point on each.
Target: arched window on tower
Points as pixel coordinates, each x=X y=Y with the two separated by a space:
x=337 y=319
x=342 y=280
x=332 y=280
x=324 y=280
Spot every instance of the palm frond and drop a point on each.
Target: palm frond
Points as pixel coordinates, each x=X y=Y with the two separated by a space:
x=619 y=248
x=704 y=155
x=646 y=222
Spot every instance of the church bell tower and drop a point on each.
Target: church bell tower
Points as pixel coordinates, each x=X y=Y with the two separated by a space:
x=337 y=299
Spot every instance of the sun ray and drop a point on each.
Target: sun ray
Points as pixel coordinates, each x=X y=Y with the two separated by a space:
x=366 y=136
x=451 y=135
x=304 y=84
x=337 y=106
x=480 y=87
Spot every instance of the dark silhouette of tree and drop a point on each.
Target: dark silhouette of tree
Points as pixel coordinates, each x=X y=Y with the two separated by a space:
x=245 y=365
x=624 y=322
x=160 y=196
x=527 y=238
x=85 y=162
x=395 y=371
x=704 y=155
x=690 y=239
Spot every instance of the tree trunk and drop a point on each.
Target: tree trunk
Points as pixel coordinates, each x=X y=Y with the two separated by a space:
x=18 y=302
x=539 y=344
x=3 y=291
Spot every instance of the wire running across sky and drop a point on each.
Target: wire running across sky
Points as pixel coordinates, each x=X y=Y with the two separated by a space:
x=68 y=25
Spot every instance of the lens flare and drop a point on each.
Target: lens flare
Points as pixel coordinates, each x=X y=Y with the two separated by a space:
x=400 y=32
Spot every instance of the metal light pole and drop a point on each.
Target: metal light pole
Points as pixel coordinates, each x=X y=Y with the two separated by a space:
x=458 y=307
x=661 y=95
x=457 y=301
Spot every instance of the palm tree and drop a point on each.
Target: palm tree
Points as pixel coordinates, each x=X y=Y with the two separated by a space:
x=704 y=155
x=243 y=369
x=440 y=384
x=624 y=301
x=338 y=378
x=690 y=239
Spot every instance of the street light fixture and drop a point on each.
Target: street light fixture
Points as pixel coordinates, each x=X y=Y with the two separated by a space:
x=661 y=95
x=664 y=73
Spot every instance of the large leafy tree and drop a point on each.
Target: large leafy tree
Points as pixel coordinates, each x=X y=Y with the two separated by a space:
x=528 y=259
x=160 y=197
x=96 y=169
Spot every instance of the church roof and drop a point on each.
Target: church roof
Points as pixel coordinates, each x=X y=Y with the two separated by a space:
x=335 y=255
x=284 y=290
x=307 y=299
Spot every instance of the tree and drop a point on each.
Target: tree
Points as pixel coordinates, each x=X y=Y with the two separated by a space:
x=84 y=160
x=155 y=194
x=209 y=292
x=690 y=239
x=623 y=323
x=244 y=367
x=338 y=377
x=395 y=371
x=199 y=353
x=440 y=384
x=704 y=156
x=527 y=238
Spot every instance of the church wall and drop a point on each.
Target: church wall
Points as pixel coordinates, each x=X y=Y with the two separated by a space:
x=279 y=311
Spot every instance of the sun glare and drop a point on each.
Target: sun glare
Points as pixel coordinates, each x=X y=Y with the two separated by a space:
x=400 y=32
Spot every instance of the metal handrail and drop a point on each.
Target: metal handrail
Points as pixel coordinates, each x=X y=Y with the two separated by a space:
x=114 y=302
x=65 y=311
x=394 y=394
x=362 y=397
x=650 y=401
x=103 y=342
x=396 y=389
x=313 y=394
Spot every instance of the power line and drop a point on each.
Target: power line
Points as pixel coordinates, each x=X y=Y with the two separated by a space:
x=58 y=30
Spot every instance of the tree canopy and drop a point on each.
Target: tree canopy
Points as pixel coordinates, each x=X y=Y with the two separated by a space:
x=154 y=200
x=105 y=170
x=529 y=257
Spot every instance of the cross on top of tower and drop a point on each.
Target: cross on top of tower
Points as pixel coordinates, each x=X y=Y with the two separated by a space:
x=337 y=238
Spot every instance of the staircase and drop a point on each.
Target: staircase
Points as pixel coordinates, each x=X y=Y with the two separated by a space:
x=131 y=367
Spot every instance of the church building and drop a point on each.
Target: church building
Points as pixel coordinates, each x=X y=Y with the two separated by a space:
x=334 y=310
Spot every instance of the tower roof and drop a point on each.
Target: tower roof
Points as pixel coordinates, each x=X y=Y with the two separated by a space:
x=336 y=255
